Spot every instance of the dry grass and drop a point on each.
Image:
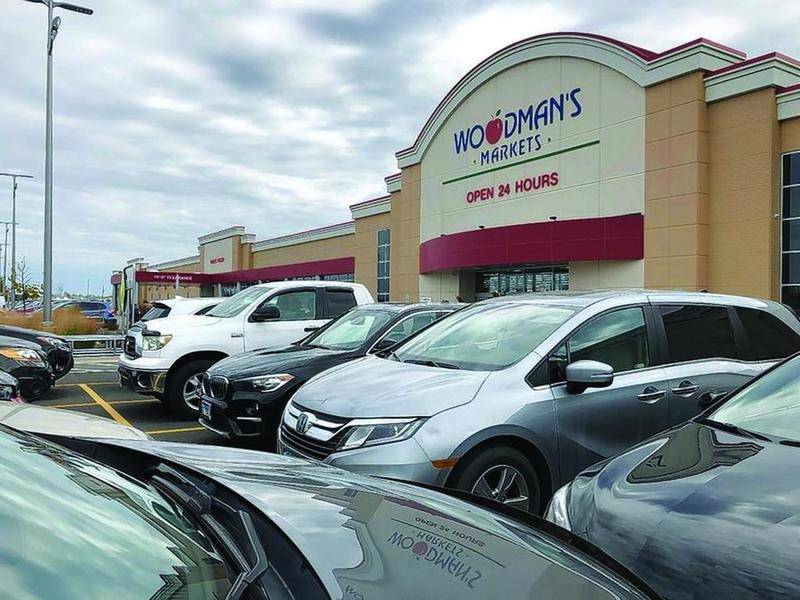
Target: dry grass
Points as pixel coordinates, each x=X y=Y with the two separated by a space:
x=68 y=321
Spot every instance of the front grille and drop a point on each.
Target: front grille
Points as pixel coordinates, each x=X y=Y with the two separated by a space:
x=130 y=346
x=215 y=387
x=306 y=445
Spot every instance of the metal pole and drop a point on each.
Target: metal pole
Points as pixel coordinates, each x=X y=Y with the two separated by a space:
x=47 y=289
x=13 y=241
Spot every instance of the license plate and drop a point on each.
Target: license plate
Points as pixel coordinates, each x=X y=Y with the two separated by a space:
x=205 y=409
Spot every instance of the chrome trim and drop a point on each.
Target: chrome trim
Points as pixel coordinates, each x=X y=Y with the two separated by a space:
x=225 y=434
x=252 y=419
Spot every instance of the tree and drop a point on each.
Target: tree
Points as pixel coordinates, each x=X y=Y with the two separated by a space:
x=23 y=286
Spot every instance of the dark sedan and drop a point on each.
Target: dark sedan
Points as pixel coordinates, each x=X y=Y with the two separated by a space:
x=142 y=519
x=26 y=361
x=244 y=395
x=57 y=349
x=708 y=509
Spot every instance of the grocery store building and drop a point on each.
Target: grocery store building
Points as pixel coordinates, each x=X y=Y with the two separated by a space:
x=564 y=161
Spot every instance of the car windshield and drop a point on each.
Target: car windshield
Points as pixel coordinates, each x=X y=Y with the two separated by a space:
x=485 y=337
x=350 y=330
x=157 y=311
x=72 y=528
x=230 y=307
x=770 y=405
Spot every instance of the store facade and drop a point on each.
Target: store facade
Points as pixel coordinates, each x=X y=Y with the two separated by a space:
x=565 y=161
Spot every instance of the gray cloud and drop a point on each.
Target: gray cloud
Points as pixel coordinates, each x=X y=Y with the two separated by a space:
x=175 y=119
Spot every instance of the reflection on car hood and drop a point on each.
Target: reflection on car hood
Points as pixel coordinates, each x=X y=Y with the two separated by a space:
x=281 y=360
x=376 y=387
x=698 y=511
x=181 y=323
x=370 y=538
x=55 y=421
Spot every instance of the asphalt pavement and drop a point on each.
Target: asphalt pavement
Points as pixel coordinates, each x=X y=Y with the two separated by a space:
x=92 y=387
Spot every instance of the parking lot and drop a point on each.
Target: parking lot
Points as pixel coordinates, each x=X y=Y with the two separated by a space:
x=92 y=387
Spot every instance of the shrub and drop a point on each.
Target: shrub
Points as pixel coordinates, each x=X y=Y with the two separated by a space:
x=66 y=321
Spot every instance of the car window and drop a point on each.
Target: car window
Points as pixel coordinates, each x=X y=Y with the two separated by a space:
x=409 y=325
x=485 y=337
x=339 y=302
x=618 y=338
x=769 y=405
x=696 y=332
x=205 y=309
x=234 y=305
x=300 y=305
x=157 y=311
x=767 y=336
x=350 y=330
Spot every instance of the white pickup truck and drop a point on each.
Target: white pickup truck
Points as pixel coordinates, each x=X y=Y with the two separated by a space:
x=167 y=357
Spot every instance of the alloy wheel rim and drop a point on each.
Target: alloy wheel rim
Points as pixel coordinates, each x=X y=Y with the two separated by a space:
x=191 y=391
x=504 y=484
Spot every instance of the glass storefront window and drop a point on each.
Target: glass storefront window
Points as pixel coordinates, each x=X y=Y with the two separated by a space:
x=521 y=280
x=384 y=256
x=790 y=230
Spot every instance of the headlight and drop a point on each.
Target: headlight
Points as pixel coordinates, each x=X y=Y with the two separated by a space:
x=558 y=509
x=23 y=355
x=367 y=432
x=155 y=342
x=267 y=383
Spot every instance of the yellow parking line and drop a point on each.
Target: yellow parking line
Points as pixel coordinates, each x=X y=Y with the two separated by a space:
x=90 y=383
x=105 y=405
x=81 y=404
x=178 y=430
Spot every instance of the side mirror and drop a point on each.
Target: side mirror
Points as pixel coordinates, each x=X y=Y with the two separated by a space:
x=710 y=398
x=584 y=374
x=383 y=344
x=266 y=313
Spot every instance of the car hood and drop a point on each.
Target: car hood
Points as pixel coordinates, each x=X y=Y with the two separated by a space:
x=27 y=334
x=58 y=422
x=184 y=323
x=289 y=359
x=377 y=387
x=370 y=538
x=698 y=512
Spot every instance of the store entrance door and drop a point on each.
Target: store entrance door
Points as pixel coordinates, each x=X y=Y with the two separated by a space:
x=520 y=280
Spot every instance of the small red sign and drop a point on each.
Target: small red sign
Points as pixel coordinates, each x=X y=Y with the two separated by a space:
x=216 y=261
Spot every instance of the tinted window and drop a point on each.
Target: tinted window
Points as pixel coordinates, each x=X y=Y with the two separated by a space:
x=618 y=339
x=697 y=332
x=350 y=330
x=339 y=302
x=205 y=309
x=767 y=336
x=157 y=311
x=296 y=306
x=230 y=307
x=409 y=325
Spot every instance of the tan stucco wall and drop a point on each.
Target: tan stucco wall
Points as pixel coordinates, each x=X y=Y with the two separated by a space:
x=790 y=135
x=676 y=185
x=404 y=277
x=365 y=250
x=744 y=233
x=337 y=247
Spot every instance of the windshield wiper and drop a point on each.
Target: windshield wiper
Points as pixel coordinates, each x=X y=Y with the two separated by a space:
x=198 y=501
x=731 y=428
x=431 y=363
x=794 y=443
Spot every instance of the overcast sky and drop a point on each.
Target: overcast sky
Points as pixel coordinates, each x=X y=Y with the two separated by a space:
x=177 y=118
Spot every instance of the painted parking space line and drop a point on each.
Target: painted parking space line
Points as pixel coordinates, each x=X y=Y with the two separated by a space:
x=111 y=402
x=115 y=382
x=105 y=405
x=176 y=430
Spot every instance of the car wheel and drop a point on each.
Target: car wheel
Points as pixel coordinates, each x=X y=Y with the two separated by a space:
x=183 y=394
x=502 y=474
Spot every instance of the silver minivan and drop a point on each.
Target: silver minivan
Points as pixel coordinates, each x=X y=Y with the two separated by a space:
x=511 y=397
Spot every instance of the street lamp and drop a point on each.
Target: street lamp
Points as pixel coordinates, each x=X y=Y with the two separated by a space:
x=14 y=177
x=52 y=30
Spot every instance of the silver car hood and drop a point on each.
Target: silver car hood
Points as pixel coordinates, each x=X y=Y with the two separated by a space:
x=377 y=387
x=56 y=421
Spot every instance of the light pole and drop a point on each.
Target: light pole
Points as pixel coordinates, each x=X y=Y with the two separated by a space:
x=14 y=177
x=5 y=254
x=52 y=30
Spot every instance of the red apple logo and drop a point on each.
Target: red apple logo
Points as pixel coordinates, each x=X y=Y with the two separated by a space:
x=494 y=129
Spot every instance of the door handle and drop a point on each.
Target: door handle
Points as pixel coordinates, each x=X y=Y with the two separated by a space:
x=651 y=394
x=237 y=335
x=685 y=388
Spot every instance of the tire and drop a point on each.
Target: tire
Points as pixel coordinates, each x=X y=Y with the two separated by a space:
x=180 y=379
x=483 y=473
